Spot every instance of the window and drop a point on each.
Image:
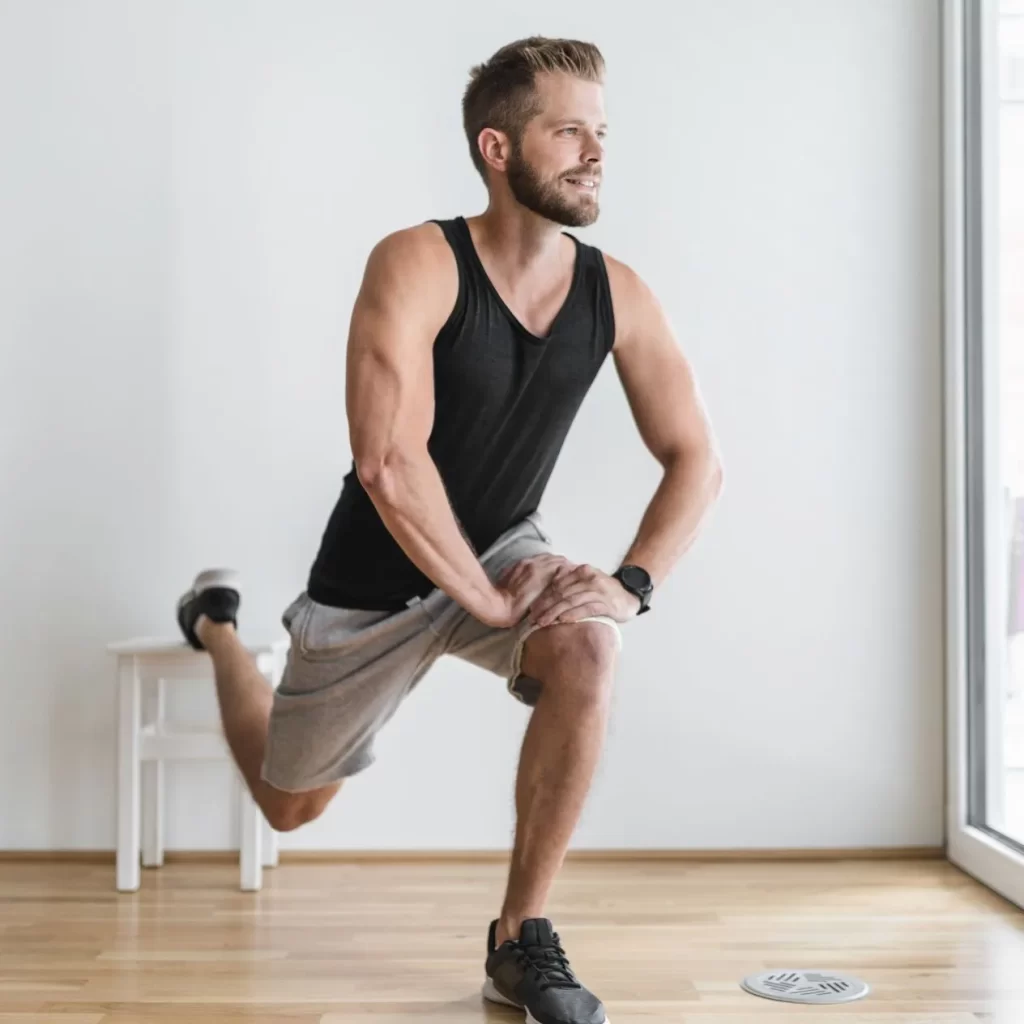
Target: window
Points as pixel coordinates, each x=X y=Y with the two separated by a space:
x=984 y=237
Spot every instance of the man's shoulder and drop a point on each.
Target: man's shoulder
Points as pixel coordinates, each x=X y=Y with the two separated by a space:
x=421 y=248
x=414 y=266
x=627 y=286
x=620 y=275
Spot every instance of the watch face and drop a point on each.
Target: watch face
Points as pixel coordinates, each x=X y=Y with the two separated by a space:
x=634 y=576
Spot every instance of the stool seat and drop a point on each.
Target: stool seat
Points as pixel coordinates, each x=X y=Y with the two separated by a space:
x=146 y=741
x=170 y=645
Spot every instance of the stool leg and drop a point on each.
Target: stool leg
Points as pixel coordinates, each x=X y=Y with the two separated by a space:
x=153 y=786
x=250 y=841
x=128 y=782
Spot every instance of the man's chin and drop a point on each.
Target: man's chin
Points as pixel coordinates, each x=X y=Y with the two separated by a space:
x=573 y=216
x=566 y=215
x=582 y=217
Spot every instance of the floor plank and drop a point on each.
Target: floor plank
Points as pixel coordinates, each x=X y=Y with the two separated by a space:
x=366 y=943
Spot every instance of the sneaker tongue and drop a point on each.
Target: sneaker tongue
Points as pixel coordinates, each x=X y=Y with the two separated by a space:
x=536 y=932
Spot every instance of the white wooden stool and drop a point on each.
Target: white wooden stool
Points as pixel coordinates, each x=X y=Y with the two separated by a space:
x=146 y=740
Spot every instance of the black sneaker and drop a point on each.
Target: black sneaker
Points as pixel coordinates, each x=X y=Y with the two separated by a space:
x=215 y=595
x=533 y=974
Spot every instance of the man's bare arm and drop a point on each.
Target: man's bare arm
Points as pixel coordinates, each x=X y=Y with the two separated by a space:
x=408 y=291
x=673 y=422
x=674 y=425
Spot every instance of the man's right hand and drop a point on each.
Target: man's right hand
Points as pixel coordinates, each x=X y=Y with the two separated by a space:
x=520 y=585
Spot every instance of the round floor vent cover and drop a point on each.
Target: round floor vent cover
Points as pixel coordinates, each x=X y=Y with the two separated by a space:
x=802 y=986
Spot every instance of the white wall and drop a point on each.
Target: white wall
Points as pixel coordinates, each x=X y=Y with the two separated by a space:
x=188 y=193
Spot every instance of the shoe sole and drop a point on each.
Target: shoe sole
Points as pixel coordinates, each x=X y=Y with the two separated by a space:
x=492 y=995
x=209 y=579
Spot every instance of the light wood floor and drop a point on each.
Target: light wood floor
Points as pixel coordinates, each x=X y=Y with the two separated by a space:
x=389 y=943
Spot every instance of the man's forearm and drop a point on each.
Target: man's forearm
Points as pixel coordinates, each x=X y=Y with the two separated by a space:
x=672 y=521
x=409 y=494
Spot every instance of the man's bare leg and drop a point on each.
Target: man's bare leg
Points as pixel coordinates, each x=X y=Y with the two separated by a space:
x=245 y=700
x=207 y=615
x=575 y=664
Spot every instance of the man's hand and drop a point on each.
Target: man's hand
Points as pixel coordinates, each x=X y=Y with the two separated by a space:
x=522 y=583
x=581 y=592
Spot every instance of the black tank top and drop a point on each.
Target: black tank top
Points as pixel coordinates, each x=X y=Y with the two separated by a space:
x=504 y=400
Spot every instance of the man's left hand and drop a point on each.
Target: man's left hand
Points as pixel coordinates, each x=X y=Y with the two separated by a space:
x=579 y=594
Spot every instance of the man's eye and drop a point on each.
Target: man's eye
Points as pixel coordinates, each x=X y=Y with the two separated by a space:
x=569 y=131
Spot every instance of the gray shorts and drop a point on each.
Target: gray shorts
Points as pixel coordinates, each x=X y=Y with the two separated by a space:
x=349 y=670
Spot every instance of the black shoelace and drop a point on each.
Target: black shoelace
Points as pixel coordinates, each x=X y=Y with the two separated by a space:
x=551 y=964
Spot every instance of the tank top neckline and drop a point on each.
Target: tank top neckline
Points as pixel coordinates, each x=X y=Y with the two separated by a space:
x=577 y=276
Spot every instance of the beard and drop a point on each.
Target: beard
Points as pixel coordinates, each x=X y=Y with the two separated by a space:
x=546 y=198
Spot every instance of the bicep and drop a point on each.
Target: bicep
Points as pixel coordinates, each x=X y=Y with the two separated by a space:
x=659 y=381
x=389 y=375
x=389 y=380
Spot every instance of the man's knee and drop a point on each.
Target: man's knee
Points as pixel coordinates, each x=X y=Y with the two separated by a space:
x=577 y=656
x=288 y=811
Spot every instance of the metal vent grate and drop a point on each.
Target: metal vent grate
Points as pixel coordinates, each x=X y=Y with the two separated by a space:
x=817 y=987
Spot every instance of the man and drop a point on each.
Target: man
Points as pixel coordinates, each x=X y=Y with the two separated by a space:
x=472 y=344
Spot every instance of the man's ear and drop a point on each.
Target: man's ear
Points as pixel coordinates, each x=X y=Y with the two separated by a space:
x=495 y=147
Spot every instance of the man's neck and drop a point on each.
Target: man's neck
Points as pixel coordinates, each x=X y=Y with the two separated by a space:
x=519 y=243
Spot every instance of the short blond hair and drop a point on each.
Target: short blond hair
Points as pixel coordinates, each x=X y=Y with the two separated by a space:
x=501 y=94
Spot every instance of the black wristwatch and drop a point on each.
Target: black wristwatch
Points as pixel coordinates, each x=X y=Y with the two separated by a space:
x=637 y=581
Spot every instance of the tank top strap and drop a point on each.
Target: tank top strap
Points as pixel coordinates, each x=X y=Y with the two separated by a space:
x=456 y=231
x=597 y=289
